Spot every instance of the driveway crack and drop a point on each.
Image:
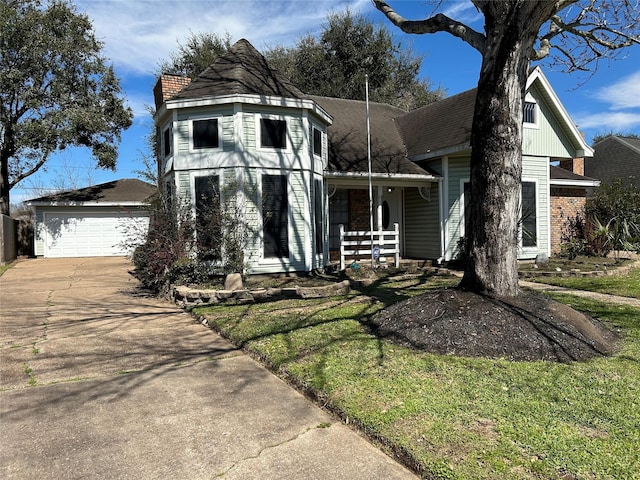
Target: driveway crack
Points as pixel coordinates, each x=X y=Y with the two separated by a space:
x=271 y=447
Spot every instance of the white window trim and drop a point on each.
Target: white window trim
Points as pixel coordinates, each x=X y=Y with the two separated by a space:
x=462 y=228
x=192 y=149
x=167 y=127
x=313 y=143
x=536 y=114
x=259 y=117
x=536 y=247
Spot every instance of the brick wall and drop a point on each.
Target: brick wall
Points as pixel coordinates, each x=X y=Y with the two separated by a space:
x=167 y=86
x=575 y=165
x=566 y=203
x=358 y=210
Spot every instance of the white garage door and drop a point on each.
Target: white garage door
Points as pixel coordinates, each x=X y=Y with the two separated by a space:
x=105 y=234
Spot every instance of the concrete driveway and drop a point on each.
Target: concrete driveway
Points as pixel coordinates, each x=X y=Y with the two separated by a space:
x=98 y=379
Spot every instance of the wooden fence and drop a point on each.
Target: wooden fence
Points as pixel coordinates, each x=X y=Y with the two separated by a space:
x=356 y=246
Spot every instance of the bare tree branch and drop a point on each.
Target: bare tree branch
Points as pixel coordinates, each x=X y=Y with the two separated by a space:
x=437 y=23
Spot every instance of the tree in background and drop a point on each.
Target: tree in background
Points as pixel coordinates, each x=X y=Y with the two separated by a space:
x=334 y=64
x=56 y=90
x=576 y=34
x=198 y=52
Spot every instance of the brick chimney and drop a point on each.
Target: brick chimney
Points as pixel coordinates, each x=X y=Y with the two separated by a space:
x=167 y=86
x=575 y=165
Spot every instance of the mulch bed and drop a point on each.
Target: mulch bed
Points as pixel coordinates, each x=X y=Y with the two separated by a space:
x=525 y=328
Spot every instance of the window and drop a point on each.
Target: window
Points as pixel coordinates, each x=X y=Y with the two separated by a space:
x=208 y=217
x=529 y=215
x=529 y=114
x=317 y=142
x=166 y=141
x=275 y=216
x=318 y=215
x=205 y=133
x=273 y=133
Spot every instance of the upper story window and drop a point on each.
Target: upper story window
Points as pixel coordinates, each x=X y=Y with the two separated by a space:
x=317 y=142
x=167 y=149
x=273 y=133
x=530 y=113
x=205 y=133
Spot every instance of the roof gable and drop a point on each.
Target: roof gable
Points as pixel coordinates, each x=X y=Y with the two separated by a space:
x=444 y=127
x=240 y=71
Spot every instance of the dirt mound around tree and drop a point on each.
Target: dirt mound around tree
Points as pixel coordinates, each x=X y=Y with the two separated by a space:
x=525 y=328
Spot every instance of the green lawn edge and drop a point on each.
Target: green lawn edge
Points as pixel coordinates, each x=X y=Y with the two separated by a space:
x=449 y=417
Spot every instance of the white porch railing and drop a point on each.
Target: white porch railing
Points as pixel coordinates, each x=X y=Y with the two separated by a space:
x=358 y=244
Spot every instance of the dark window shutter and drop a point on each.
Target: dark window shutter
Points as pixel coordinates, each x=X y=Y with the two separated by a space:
x=275 y=216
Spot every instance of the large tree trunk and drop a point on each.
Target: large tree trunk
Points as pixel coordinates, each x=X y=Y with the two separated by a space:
x=4 y=185
x=496 y=159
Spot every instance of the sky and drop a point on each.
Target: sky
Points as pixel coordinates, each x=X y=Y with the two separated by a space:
x=139 y=34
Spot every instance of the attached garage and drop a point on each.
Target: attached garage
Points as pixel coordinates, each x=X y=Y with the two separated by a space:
x=98 y=221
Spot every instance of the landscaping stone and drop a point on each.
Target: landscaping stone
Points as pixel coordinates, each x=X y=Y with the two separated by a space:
x=233 y=281
x=542 y=259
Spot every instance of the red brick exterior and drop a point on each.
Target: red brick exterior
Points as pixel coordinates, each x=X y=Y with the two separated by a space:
x=566 y=203
x=575 y=165
x=167 y=86
x=358 y=210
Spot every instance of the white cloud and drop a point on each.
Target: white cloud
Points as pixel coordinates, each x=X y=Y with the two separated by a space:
x=623 y=94
x=138 y=35
x=610 y=120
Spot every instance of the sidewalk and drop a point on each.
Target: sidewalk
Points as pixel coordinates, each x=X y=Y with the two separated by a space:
x=98 y=380
x=602 y=297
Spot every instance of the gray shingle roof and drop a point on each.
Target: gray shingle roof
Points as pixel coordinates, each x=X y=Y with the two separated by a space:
x=240 y=71
x=615 y=157
x=125 y=190
x=439 y=125
x=348 y=138
x=557 y=173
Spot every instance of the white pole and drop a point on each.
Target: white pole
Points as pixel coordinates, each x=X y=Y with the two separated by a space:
x=366 y=83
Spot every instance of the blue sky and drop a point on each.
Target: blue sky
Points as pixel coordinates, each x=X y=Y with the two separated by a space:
x=138 y=34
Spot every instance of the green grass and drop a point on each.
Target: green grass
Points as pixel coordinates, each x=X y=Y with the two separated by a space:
x=4 y=268
x=623 y=285
x=457 y=418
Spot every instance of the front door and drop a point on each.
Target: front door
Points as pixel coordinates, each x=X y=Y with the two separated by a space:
x=391 y=205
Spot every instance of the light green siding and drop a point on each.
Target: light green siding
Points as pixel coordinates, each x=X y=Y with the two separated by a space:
x=249 y=131
x=547 y=138
x=458 y=170
x=536 y=169
x=422 y=224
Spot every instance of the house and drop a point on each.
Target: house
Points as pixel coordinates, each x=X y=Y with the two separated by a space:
x=95 y=221
x=615 y=156
x=298 y=164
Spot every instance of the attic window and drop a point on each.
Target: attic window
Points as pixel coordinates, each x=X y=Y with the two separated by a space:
x=273 y=133
x=529 y=113
x=205 y=133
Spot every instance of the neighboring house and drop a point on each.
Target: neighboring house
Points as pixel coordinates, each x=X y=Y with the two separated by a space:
x=615 y=157
x=298 y=164
x=101 y=220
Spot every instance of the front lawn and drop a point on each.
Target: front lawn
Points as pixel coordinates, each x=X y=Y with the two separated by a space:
x=451 y=417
